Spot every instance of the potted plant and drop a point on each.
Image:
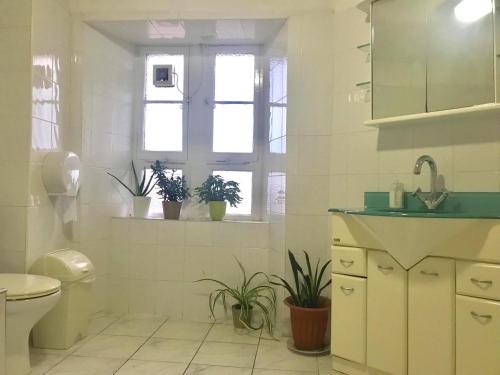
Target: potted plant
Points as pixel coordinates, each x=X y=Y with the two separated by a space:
x=250 y=296
x=217 y=192
x=308 y=309
x=140 y=192
x=172 y=189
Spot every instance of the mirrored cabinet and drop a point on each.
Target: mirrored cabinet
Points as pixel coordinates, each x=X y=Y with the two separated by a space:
x=432 y=55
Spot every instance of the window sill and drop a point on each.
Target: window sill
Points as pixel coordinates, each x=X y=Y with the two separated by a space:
x=193 y=220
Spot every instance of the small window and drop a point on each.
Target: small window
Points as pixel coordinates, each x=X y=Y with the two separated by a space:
x=244 y=178
x=163 y=107
x=233 y=129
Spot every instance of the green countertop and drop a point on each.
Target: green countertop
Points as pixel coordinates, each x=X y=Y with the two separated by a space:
x=456 y=206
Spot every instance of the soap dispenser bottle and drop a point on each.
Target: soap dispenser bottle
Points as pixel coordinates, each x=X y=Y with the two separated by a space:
x=396 y=195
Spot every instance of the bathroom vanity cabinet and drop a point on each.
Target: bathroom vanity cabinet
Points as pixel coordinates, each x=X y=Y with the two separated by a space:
x=441 y=316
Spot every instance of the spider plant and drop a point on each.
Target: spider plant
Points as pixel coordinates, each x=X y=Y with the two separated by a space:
x=307 y=289
x=255 y=292
x=141 y=189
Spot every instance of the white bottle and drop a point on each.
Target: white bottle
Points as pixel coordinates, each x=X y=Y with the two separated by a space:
x=396 y=195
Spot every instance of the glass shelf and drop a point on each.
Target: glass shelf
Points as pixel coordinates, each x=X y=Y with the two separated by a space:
x=364 y=85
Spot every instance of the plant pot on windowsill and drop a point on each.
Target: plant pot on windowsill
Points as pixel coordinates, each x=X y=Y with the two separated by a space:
x=141 y=206
x=172 y=210
x=217 y=210
x=309 y=324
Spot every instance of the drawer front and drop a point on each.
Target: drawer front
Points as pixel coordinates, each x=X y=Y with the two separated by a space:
x=478 y=336
x=349 y=317
x=478 y=279
x=349 y=260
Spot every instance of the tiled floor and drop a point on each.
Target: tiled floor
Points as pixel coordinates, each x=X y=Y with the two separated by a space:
x=156 y=346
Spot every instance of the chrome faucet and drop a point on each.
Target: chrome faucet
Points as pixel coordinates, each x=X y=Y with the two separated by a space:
x=434 y=198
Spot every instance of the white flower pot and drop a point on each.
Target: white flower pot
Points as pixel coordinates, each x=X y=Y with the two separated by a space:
x=141 y=206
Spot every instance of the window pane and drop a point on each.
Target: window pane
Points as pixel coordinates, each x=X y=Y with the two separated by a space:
x=165 y=93
x=245 y=181
x=278 y=80
x=163 y=127
x=234 y=77
x=156 y=208
x=277 y=122
x=233 y=128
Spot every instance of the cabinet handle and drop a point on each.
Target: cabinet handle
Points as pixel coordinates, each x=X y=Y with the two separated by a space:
x=483 y=284
x=426 y=273
x=385 y=268
x=346 y=263
x=346 y=289
x=479 y=316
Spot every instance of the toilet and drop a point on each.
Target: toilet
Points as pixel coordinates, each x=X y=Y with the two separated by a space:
x=29 y=298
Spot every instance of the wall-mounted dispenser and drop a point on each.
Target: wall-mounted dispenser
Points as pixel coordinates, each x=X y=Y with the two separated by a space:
x=163 y=76
x=61 y=173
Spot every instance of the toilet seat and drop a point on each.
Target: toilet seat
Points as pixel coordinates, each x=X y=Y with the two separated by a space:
x=25 y=287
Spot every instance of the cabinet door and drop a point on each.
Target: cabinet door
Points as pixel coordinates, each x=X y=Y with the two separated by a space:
x=349 y=317
x=478 y=336
x=461 y=57
x=431 y=317
x=398 y=58
x=387 y=305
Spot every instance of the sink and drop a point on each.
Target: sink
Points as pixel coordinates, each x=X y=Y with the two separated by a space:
x=413 y=233
x=410 y=239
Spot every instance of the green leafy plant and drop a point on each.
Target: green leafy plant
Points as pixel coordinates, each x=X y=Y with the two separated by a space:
x=251 y=294
x=216 y=189
x=141 y=189
x=308 y=288
x=171 y=188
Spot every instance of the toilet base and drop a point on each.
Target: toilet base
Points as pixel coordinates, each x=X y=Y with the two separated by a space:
x=20 y=318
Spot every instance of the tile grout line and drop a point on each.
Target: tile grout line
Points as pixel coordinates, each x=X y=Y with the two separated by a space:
x=139 y=348
x=199 y=347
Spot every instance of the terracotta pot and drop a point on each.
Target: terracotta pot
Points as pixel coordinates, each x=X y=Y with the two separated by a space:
x=217 y=210
x=236 y=310
x=171 y=210
x=141 y=206
x=309 y=324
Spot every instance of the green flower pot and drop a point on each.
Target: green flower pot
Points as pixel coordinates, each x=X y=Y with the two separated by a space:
x=217 y=210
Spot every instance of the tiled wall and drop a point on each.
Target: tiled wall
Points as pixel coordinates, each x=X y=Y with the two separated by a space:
x=365 y=159
x=154 y=263
x=51 y=62
x=15 y=130
x=102 y=124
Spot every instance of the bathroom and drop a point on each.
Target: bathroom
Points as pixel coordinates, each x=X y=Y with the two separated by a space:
x=77 y=79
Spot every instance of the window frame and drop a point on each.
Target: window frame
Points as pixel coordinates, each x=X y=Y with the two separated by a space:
x=196 y=157
x=178 y=157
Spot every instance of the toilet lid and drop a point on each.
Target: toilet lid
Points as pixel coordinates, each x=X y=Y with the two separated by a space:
x=21 y=286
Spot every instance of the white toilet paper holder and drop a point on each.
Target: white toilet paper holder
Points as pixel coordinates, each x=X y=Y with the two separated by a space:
x=61 y=173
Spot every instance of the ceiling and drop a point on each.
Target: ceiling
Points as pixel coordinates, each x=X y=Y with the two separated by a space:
x=188 y=32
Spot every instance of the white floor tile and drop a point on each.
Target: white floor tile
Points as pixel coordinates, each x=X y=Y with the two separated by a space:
x=227 y=333
x=168 y=350
x=142 y=326
x=136 y=367
x=217 y=370
x=42 y=362
x=108 y=346
x=325 y=364
x=281 y=372
x=177 y=329
x=100 y=322
x=276 y=356
x=74 y=365
x=226 y=354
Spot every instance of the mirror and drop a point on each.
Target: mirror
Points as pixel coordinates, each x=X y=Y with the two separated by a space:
x=432 y=55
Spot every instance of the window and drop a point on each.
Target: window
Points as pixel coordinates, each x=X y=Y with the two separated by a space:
x=163 y=108
x=244 y=178
x=207 y=122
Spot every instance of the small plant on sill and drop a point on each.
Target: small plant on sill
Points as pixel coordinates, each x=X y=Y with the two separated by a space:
x=251 y=295
x=173 y=190
x=217 y=192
